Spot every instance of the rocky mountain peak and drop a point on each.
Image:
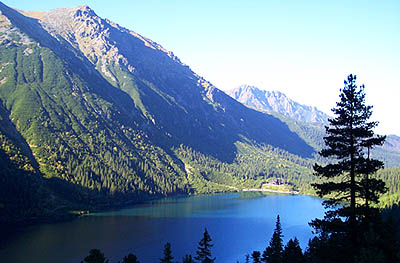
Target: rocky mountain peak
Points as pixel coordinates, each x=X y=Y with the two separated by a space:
x=102 y=41
x=85 y=9
x=84 y=30
x=278 y=102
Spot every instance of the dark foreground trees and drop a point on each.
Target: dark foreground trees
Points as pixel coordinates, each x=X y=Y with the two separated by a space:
x=292 y=252
x=274 y=252
x=187 y=259
x=256 y=256
x=204 y=249
x=347 y=180
x=95 y=256
x=167 y=258
x=380 y=246
x=130 y=259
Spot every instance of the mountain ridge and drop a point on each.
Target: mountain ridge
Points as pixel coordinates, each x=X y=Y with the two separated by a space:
x=139 y=62
x=305 y=120
x=278 y=102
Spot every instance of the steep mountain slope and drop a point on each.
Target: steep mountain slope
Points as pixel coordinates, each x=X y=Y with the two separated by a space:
x=99 y=116
x=80 y=130
x=277 y=102
x=172 y=97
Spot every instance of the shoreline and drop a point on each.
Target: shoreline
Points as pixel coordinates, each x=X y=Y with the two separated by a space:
x=74 y=214
x=270 y=191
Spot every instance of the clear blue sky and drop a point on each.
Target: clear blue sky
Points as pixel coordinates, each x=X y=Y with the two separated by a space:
x=302 y=48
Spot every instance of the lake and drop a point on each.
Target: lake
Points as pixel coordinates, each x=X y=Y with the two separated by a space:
x=238 y=224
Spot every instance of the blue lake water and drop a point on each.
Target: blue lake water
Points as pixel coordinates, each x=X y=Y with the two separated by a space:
x=238 y=224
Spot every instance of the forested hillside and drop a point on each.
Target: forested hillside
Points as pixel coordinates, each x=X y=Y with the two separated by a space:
x=98 y=113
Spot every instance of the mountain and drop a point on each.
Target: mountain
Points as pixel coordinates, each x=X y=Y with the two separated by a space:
x=392 y=143
x=165 y=92
x=95 y=116
x=278 y=102
x=306 y=121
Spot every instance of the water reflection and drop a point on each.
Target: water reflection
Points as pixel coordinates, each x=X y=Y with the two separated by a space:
x=238 y=224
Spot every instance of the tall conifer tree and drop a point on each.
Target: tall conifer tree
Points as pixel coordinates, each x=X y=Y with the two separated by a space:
x=274 y=252
x=167 y=254
x=204 y=249
x=347 y=179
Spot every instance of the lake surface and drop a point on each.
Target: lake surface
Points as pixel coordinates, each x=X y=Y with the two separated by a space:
x=238 y=224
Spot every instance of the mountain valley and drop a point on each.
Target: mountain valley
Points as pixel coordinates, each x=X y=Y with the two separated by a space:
x=95 y=116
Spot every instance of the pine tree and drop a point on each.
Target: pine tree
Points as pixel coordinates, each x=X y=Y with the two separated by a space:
x=256 y=256
x=293 y=252
x=187 y=259
x=347 y=178
x=95 y=256
x=130 y=259
x=204 y=249
x=167 y=254
x=370 y=251
x=327 y=249
x=274 y=252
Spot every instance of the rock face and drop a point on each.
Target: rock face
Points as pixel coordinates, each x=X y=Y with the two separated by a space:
x=100 y=40
x=392 y=143
x=278 y=102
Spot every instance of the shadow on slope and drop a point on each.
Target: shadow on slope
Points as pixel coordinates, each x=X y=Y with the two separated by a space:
x=189 y=109
x=182 y=107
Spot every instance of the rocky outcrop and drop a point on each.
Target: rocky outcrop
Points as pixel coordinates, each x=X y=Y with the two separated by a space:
x=278 y=102
x=392 y=143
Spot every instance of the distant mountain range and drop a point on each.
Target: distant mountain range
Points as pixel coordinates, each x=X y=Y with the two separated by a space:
x=392 y=143
x=278 y=102
x=305 y=120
